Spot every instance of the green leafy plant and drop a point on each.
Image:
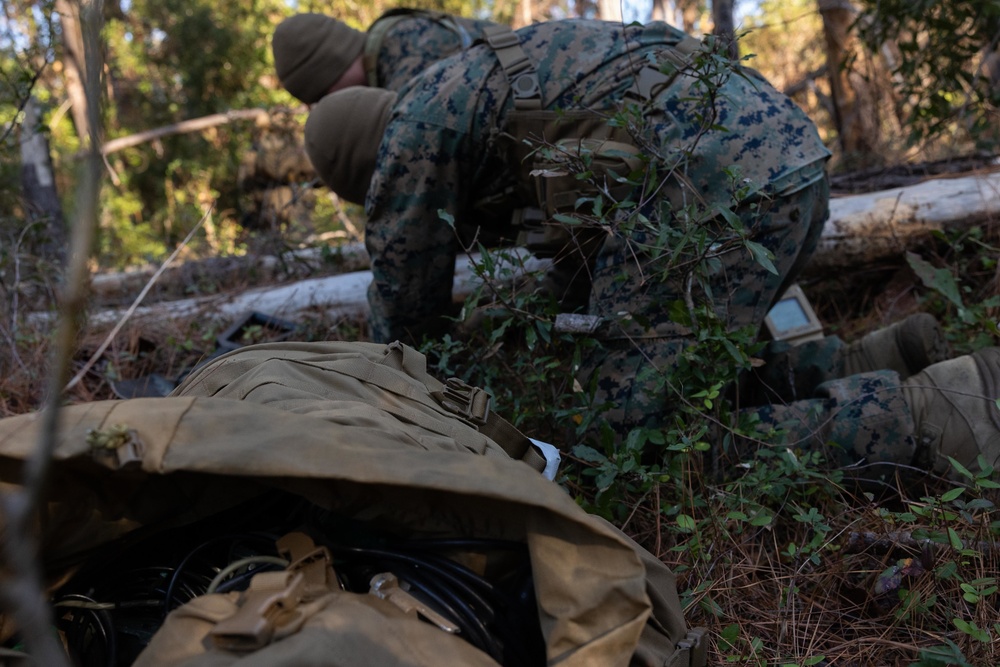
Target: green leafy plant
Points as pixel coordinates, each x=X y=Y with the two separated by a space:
x=942 y=71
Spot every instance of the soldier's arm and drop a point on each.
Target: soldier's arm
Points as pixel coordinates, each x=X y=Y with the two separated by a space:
x=412 y=249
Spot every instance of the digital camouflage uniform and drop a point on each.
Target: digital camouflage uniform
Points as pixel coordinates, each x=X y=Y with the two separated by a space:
x=439 y=154
x=414 y=42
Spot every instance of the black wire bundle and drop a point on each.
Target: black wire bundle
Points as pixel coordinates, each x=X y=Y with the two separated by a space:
x=500 y=620
x=110 y=611
x=91 y=637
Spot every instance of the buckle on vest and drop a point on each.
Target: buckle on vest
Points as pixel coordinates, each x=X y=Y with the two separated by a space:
x=525 y=88
x=465 y=401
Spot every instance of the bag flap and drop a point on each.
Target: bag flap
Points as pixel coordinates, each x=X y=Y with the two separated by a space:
x=199 y=454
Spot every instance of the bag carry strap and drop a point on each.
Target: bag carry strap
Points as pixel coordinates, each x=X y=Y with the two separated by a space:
x=471 y=404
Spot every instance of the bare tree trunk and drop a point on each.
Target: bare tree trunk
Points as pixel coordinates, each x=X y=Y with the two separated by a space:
x=41 y=201
x=725 y=27
x=69 y=19
x=854 y=119
x=690 y=13
x=609 y=10
x=663 y=10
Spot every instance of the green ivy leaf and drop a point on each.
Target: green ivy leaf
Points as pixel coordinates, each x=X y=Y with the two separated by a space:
x=954 y=539
x=939 y=280
x=685 y=523
x=949 y=496
x=972 y=629
x=589 y=454
x=762 y=256
x=961 y=469
x=566 y=219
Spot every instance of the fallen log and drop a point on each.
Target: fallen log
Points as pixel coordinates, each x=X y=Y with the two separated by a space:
x=115 y=289
x=338 y=296
x=861 y=229
x=871 y=227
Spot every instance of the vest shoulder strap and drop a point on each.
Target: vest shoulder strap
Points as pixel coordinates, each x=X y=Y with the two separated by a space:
x=380 y=28
x=517 y=66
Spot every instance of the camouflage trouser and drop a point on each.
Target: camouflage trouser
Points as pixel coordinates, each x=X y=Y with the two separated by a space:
x=792 y=372
x=638 y=347
x=862 y=417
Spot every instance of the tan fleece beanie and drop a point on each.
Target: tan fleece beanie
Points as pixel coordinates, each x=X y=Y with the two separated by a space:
x=343 y=134
x=312 y=51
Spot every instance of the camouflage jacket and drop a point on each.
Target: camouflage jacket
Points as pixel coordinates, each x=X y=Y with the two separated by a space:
x=413 y=42
x=438 y=153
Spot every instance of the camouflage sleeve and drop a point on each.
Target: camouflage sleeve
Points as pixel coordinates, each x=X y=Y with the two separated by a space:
x=419 y=171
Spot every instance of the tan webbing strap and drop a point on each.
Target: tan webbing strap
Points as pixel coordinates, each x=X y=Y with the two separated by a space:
x=470 y=403
x=382 y=377
x=650 y=81
x=473 y=409
x=510 y=440
x=516 y=65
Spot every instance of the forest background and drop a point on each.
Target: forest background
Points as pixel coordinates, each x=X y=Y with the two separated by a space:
x=196 y=134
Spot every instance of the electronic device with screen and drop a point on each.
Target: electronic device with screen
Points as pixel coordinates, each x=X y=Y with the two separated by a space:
x=792 y=319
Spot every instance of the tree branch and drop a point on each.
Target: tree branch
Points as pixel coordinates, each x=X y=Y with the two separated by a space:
x=183 y=127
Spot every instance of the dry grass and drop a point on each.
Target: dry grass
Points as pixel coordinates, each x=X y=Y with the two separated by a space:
x=842 y=609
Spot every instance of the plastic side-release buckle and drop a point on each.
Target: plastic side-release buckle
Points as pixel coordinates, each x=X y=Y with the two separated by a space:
x=526 y=89
x=465 y=401
x=313 y=562
x=269 y=603
x=695 y=647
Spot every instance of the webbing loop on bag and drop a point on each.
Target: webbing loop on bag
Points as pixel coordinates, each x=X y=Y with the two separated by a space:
x=268 y=603
x=386 y=586
x=314 y=563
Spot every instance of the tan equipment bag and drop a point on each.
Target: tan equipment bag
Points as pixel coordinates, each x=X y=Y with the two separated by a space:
x=317 y=422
